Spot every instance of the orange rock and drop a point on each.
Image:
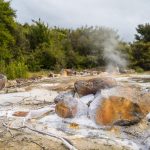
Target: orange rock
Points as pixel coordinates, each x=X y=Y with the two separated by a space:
x=20 y=113
x=66 y=109
x=67 y=72
x=133 y=93
x=74 y=126
x=64 y=73
x=115 y=130
x=118 y=111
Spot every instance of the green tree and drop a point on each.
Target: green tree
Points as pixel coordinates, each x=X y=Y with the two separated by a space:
x=39 y=33
x=143 y=32
x=141 y=47
x=7 y=26
x=141 y=55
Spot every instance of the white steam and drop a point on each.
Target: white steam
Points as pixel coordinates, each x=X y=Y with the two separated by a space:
x=113 y=57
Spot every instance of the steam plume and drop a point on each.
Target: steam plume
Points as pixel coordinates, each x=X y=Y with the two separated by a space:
x=113 y=57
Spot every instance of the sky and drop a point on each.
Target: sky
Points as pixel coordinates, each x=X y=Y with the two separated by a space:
x=121 y=15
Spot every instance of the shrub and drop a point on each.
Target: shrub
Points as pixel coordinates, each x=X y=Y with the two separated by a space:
x=139 y=69
x=2 y=67
x=17 y=70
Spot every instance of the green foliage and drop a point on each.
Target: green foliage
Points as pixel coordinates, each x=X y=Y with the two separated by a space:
x=16 y=70
x=143 y=33
x=141 y=54
x=37 y=47
x=7 y=24
x=33 y=63
x=138 y=69
x=140 y=49
x=39 y=33
x=49 y=57
x=74 y=60
x=2 y=67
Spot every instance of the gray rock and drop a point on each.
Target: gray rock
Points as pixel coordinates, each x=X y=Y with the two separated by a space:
x=63 y=96
x=3 y=80
x=148 y=117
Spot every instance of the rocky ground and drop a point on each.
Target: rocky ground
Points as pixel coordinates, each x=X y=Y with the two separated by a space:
x=42 y=128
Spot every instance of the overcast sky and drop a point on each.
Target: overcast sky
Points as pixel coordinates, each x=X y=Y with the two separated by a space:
x=122 y=15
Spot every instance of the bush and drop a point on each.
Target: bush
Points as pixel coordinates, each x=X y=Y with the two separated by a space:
x=139 y=69
x=16 y=70
x=2 y=67
x=141 y=54
x=47 y=57
x=33 y=64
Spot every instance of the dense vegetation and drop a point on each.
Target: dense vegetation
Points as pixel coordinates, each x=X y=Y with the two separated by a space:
x=37 y=46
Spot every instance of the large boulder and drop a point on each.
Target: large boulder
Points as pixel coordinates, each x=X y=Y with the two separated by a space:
x=130 y=92
x=3 y=80
x=85 y=87
x=116 y=110
x=66 y=108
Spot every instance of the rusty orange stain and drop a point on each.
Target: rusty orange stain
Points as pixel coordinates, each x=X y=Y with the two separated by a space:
x=115 y=108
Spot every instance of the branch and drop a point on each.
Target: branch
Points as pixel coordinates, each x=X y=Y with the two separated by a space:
x=66 y=142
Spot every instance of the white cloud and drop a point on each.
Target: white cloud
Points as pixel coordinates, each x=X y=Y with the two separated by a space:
x=123 y=15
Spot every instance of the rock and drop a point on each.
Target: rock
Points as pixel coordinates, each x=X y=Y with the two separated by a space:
x=67 y=72
x=20 y=113
x=74 y=125
x=127 y=71
x=118 y=111
x=63 y=96
x=130 y=92
x=144 y=102
x=93 y=85
x=94 y=73
x=81 y=107
x=11 y=83
x=35 y=78
x=148 y=117
x=66 y=108
x=21 y=81
x=3 y=80
x=51 y=74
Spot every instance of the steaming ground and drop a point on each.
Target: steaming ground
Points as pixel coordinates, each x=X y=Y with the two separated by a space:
x=81 y=131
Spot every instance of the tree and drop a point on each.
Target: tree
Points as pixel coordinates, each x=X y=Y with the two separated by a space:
x=141 y=47
x=141 y=55
x=7 y=26
x=39 y=33
x=143 y=32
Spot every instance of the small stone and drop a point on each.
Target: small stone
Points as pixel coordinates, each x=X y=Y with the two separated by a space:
x=20 y=113
x=148 y=117
x=3 y=80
